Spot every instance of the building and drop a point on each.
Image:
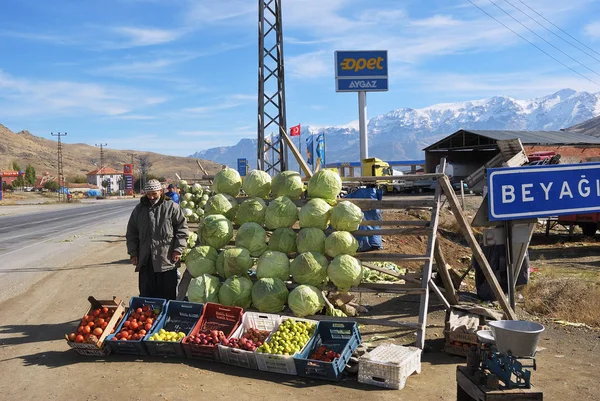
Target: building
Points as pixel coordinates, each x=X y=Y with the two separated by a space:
x=111 y=175
x=468 y=150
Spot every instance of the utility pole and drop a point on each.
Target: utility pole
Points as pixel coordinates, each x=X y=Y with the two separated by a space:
x=101 y=146
x=61 y=177
x=132 y=176
x=271 y=87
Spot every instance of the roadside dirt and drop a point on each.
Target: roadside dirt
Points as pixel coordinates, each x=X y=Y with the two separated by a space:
x=36 y=362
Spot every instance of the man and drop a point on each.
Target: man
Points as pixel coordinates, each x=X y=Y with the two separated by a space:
x=172 y=193
x=156 y=236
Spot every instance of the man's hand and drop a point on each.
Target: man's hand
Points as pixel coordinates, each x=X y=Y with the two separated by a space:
x=175 y=256
x=134 y=260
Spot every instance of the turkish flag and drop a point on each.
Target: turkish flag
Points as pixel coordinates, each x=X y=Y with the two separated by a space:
x=295 y=131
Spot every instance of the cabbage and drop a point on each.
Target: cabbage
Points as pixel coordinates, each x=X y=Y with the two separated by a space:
x=340 y=242
x=315 y=213
x=257 y=184
x=273 y=264
x=187 y=212
x=283 y=240
x=187 y=196
x=222 y=204
x=221 y=264
x=251 y=210
x=306 y=300
x=192 y=239
x=205 y=198
x=183 y=183
x=196 y=189
x=311 y=240
x=201 y=260
x=236 y=262
x=204 y=288
x=252 y=237
x=281 y=212
x=346 y=216
x=269 y=295
x=227 y=181
x=345 y=271
x=287 y=183
x=216 y=231
x=324 y=184
x=190 y=205
x=309 y=268
x=236 y=291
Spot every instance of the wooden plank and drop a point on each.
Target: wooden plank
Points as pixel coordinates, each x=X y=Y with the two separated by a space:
x=439 y=294
x=407 y=223
x=442 y=269
x=395 y=288
x=477 y=252
x=428 y=266
x=391 y=231
x=390 y=257
x=369 y=204
x=303 y=165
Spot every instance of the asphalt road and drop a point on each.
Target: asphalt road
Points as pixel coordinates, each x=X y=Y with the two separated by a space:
x=21 y=232
x=39 y=242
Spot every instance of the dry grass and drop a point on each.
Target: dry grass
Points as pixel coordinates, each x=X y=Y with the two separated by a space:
x=569 y=299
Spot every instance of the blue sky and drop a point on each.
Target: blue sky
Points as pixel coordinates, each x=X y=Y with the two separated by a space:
x=178 y=76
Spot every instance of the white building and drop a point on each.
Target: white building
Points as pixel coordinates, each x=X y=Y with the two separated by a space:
x=105 y=174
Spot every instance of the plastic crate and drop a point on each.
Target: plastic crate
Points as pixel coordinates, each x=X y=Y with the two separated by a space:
x=251 y=320
x=340 y=337
x=281 y=363
x=136 y=347
x=214 y=317
x=99 y=348
x=180 y=317
x=389 y=366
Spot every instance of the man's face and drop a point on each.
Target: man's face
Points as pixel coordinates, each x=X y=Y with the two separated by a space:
x=153 y=195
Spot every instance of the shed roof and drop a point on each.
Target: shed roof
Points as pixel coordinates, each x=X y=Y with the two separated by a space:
x=527 y=137
x=104 y=171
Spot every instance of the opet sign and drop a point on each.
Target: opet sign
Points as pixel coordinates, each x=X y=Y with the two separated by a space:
x=361 y=70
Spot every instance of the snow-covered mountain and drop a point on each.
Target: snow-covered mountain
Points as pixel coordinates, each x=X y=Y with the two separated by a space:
x=403 y=133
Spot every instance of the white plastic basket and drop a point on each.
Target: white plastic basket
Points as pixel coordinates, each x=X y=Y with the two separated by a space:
x=281 y=363
x=389 y=366
x=250 y=320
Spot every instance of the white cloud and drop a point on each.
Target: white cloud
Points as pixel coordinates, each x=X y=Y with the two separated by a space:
x=20 y=96
x=593 y=30
x=310 y=65
x=146 y=36
x=436 y=21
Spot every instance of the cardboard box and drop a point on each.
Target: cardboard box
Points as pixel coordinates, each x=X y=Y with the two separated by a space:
x=98 y=348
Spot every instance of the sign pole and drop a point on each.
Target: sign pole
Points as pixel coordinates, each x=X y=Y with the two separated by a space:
x=362 y=125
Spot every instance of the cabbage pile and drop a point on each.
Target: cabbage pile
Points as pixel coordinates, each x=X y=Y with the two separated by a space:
x=227 y=181
x=192 y=200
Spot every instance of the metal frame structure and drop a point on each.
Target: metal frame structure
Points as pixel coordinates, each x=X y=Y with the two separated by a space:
x=61 y=175
x=272 y=154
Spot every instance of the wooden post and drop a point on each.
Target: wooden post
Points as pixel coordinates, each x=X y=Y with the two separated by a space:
x=477 y=251
x=296 y=153
x=424 y=305
x=442 y=269
x=462 y=195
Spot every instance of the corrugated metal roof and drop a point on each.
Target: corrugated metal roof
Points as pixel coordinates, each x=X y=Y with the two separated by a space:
x=529 y=137
x=539 y=137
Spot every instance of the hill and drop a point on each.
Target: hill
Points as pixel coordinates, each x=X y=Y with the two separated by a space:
x=590 y=127
x=78 y=159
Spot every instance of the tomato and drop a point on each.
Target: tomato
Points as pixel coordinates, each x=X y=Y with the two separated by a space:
x=79 y=339
x=104 y=309
x=97 y=331
x=126 y=323
x=134 y=325
x=91 y=324
x=87 y=329
x=148 y=326
x=72 y=336
x=95 y=312
x=146 y=308
x=142 y=332
x=100 y=321
x=103 y=325
x=138 y=310
x=149 y=321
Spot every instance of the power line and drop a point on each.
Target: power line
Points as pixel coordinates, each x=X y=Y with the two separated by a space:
x=542 y=38
x=560 y=29
x=552 y=32
x=533 y=44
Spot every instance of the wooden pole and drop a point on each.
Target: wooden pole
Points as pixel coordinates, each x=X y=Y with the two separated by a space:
x=442 y=269
x=296 y=154
x=477 y=251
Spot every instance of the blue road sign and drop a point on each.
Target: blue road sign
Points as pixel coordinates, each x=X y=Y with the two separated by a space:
x=242 y=166
x=365 y=70
x=538 y=191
